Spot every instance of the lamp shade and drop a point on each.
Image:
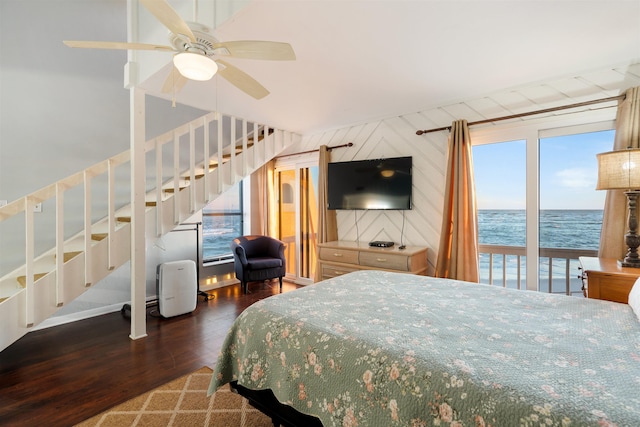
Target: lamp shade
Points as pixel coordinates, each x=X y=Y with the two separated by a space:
x=619 y=170
x=195 y=66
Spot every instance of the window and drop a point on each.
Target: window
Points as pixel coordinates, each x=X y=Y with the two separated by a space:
x=221 y=223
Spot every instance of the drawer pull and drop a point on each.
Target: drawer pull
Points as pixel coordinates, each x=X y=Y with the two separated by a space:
x=338 y=272
x=381 y=259
x=337 y=255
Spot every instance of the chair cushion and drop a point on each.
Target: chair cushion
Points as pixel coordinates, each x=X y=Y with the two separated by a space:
x=260 y=263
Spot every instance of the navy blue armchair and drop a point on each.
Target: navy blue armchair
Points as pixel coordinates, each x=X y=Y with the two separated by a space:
x=258 y=258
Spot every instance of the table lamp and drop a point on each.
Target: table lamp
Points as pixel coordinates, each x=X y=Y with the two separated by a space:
x=620 y=170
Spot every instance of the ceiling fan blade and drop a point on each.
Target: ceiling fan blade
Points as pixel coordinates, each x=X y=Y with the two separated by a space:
x=163 y=11
x=174 y=81
x=256 y=49
x=116 y=45
x=242 y=80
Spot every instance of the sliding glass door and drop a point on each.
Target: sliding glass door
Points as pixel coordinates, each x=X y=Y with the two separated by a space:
x=287 y=217
x=297 y=218
x=538 y=209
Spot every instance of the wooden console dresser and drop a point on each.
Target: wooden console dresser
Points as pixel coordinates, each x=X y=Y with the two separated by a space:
x=605 y=279
x=340 y=257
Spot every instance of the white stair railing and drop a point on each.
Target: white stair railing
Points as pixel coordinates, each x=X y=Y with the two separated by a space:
x=185 y=171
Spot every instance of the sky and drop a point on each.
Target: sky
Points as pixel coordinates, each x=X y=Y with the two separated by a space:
x=568 y=172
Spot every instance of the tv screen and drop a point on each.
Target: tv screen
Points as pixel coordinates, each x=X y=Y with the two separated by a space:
x=370 y=184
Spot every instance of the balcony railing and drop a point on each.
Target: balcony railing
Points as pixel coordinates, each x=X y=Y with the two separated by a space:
x=506 y=266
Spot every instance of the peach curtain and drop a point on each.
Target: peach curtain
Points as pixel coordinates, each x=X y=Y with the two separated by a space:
x=614 y=221
x=327 y=223
x=264 y=219
x=458 y=252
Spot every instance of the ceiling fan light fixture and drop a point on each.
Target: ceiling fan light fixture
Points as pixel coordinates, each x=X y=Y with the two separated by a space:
x=195 y=66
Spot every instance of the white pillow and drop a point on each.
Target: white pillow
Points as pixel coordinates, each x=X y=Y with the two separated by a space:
x=634 y=298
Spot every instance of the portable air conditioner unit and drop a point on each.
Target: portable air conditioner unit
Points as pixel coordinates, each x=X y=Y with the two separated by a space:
x=177 y=287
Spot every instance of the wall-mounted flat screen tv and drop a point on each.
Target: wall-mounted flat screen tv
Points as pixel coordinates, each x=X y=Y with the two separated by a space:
x=370 y=184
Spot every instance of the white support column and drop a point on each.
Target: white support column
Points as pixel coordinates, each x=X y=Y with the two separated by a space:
x=138 y=241
x=138 y=174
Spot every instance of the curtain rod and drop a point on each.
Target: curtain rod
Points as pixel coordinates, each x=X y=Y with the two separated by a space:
x=350 y=144
x=530 y=113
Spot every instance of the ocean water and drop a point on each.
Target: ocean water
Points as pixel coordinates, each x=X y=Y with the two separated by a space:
x=566 y=229
x=217 y=234
x=574 y=229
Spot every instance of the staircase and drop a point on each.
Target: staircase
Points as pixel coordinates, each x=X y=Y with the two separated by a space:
x=183 y=174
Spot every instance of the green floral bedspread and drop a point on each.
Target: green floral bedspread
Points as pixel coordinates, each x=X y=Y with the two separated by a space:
x=374 y=348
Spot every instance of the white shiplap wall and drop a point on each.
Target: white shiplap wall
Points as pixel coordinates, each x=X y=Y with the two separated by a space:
x=396 y=136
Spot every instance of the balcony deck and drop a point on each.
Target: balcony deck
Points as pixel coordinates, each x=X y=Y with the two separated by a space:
x=559 y=273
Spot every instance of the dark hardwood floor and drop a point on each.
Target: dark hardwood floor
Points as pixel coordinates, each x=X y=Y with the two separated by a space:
x=63 y=375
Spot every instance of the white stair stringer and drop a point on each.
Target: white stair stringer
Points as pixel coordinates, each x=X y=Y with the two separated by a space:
x=22 y=308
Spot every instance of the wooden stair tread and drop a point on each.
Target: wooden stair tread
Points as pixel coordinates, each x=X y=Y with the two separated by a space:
x=68 y=256
x=261 y=135
x=3 y=299
x=214 y=164
x=239 y=147
x=123 y=219
x=99 y=236
x=23 y=279
x=172 y=190
x=196 y=176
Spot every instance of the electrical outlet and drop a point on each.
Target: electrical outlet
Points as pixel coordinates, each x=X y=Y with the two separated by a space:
x=37 y=207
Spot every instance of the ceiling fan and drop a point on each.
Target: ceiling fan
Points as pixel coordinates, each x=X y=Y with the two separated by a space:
x=198 y=54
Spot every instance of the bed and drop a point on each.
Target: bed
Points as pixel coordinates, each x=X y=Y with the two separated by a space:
x=374 y=348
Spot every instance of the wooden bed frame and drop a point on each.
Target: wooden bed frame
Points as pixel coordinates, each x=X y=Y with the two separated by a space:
x=281 y=415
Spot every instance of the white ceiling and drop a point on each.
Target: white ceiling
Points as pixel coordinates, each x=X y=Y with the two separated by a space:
x=363 y=60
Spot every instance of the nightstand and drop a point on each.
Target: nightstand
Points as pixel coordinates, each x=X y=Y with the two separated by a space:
x=605 y=279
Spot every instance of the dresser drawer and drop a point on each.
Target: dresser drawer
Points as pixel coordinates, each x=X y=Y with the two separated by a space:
x=384 y=260
x=329 y=270
x=339 y=255
x=337 y=258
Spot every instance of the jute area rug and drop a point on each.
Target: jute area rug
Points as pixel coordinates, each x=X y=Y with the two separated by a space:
x=183 y=402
